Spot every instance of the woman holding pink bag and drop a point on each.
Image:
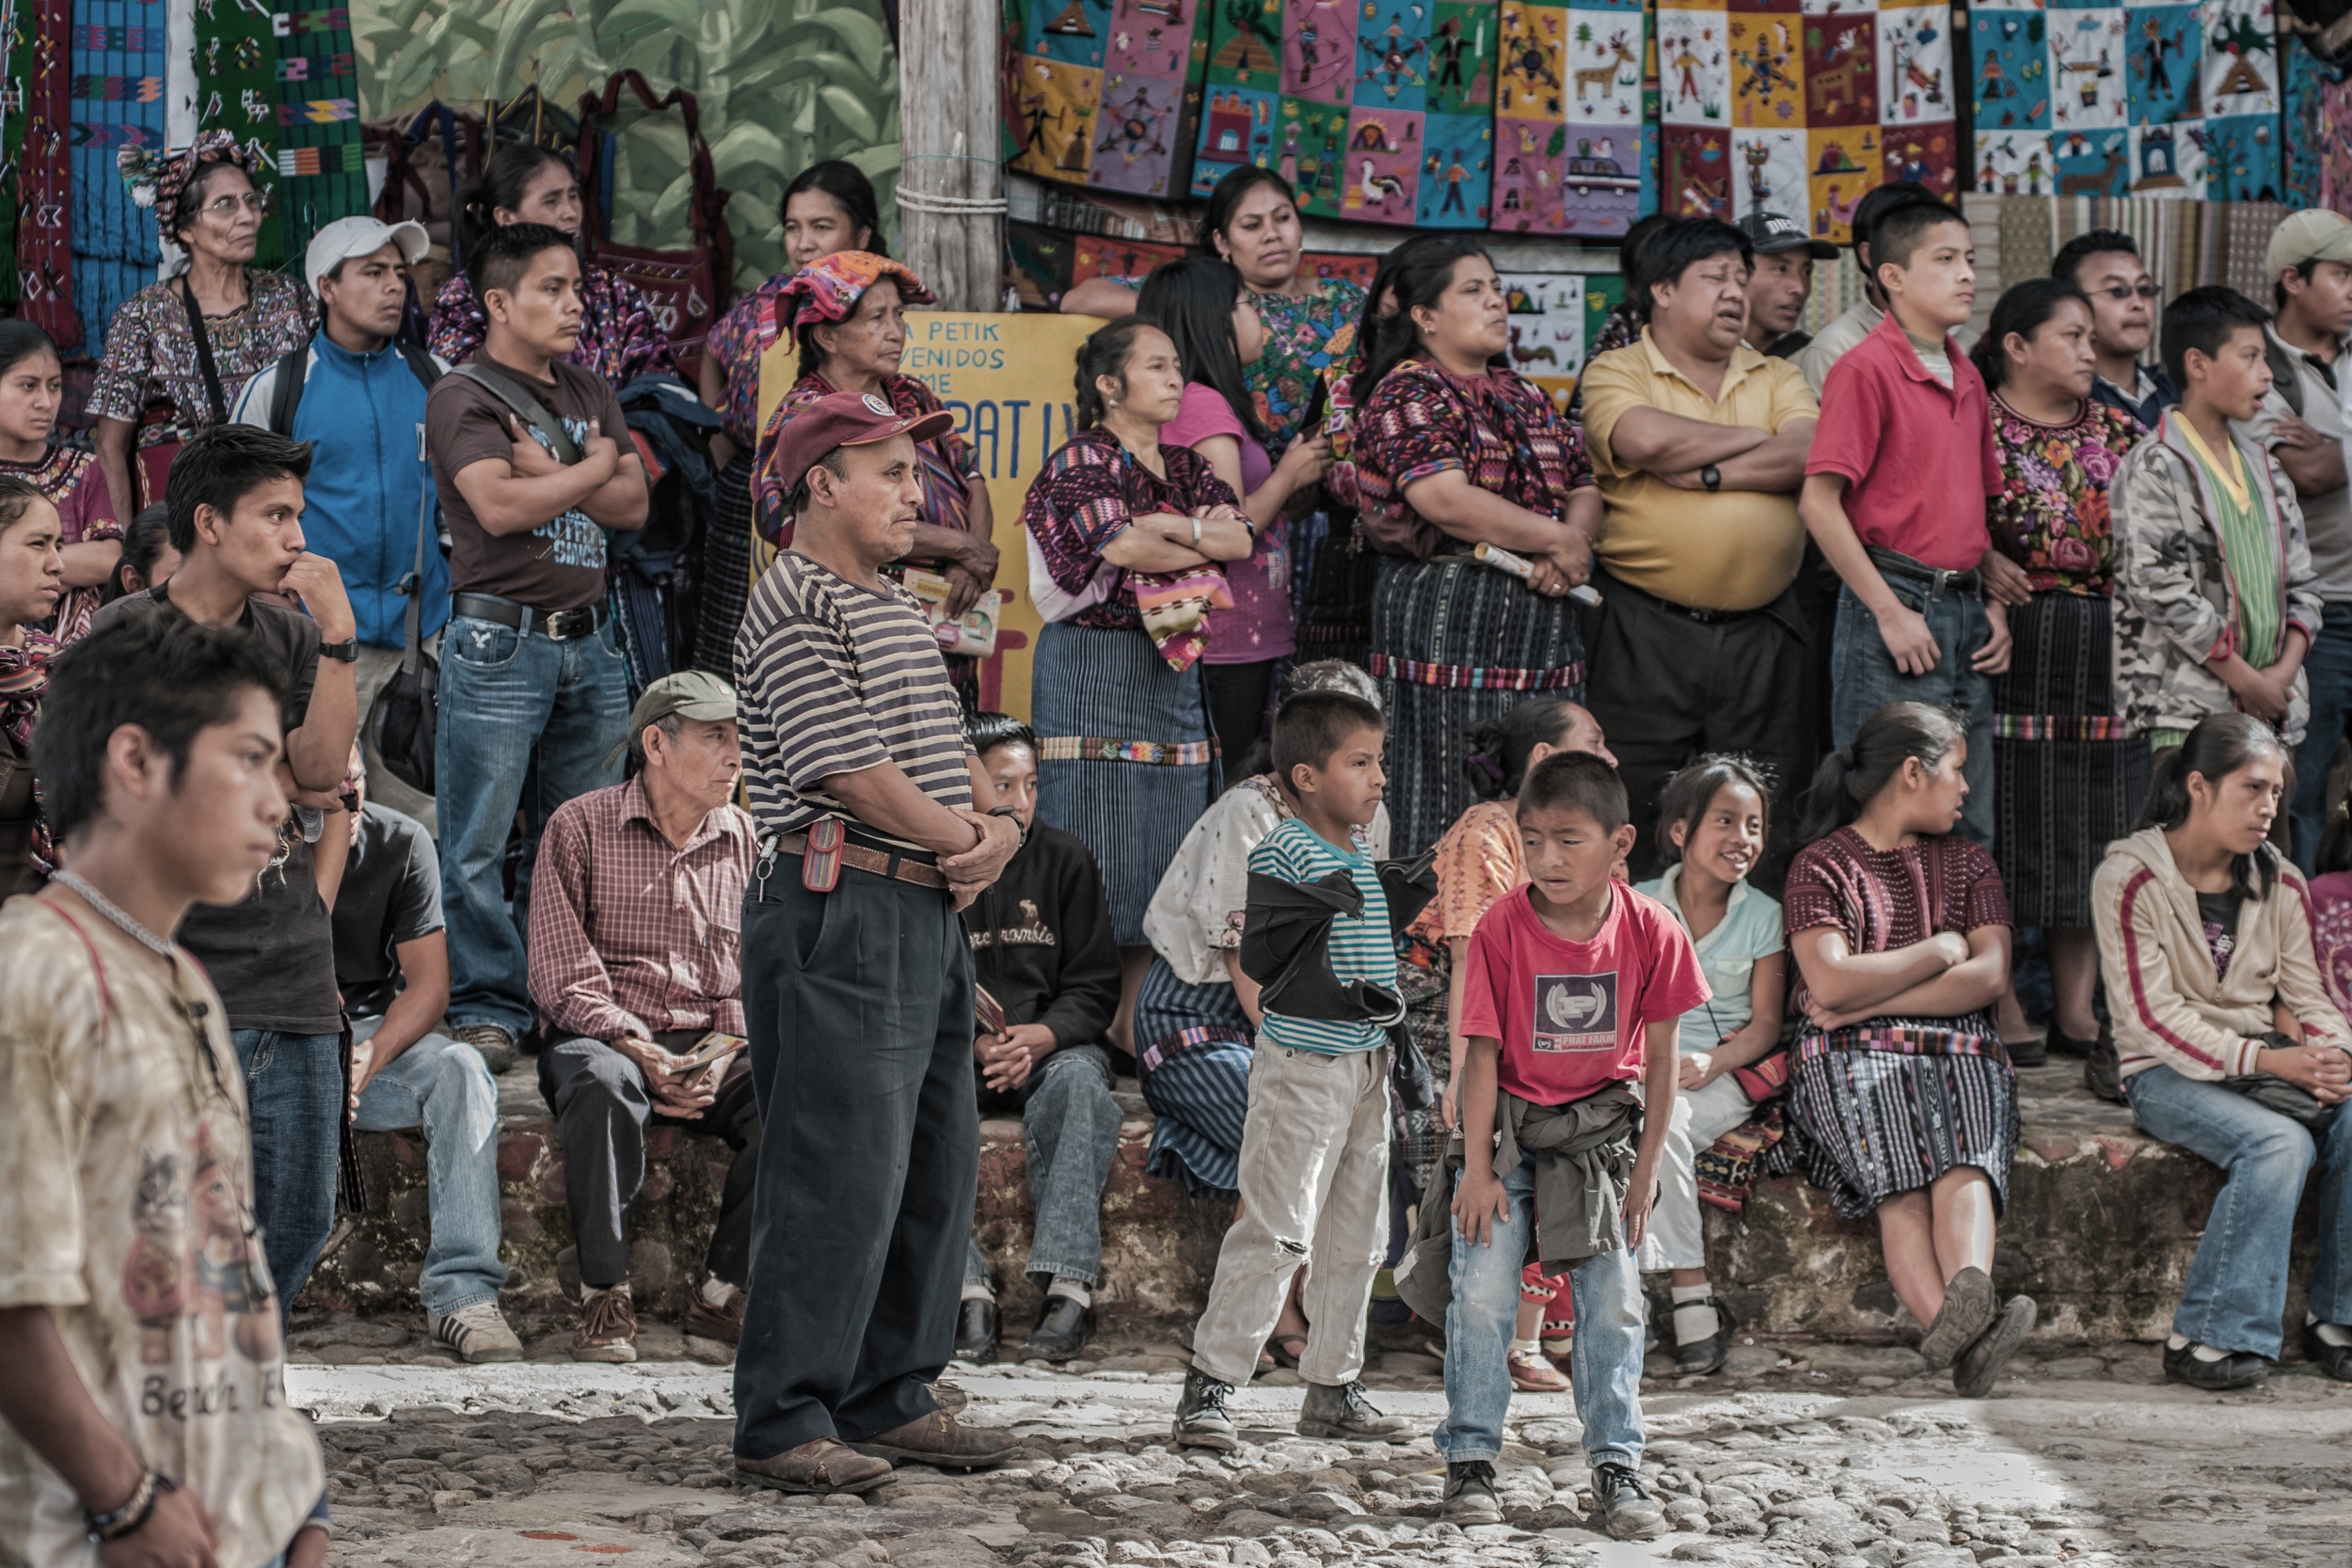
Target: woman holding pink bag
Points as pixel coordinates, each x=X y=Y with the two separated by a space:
x=1126 y=541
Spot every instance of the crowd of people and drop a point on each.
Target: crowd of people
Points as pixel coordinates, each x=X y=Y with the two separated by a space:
x=1492 y=832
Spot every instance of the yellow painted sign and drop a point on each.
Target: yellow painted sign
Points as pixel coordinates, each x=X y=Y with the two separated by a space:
x=1006 y=379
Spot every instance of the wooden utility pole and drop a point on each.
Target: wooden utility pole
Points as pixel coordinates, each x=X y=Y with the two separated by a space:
x=951 y=188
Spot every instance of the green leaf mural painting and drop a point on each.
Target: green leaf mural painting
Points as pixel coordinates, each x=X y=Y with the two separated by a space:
x=782 y=84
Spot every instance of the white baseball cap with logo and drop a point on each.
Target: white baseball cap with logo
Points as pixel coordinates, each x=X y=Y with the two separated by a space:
x=345 y=238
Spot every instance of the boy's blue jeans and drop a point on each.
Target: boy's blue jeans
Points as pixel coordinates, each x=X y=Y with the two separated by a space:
x=1605 y=1367
x=1864 y=679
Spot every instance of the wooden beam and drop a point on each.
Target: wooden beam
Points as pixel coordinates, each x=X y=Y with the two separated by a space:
x=952 y=187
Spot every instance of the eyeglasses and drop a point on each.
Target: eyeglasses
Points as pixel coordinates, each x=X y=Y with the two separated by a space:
x=225 y=209
x=2122 y=293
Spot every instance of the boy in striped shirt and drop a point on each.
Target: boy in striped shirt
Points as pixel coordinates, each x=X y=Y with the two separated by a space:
x=1315 y=1151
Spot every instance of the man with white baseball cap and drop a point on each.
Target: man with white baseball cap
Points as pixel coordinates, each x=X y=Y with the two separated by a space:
x=2302 y=422
x=359 y=396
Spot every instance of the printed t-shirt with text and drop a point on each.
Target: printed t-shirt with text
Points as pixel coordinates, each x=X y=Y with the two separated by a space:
x=1361 y=946
x=1570 y=1015
x=558 y=565
x=126 y=1183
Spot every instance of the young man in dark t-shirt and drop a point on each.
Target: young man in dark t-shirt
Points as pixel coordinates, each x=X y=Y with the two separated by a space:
x=235 y=501
x=531 y=671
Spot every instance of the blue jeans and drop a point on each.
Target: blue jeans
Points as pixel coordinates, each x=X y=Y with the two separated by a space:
x=2329 y=666
x=441 y=1085
x=1605 y=1367
x=2237 y=1284
x=294 y=1094
x=507 y=702
x=1072 y=1127
x=1864 y=679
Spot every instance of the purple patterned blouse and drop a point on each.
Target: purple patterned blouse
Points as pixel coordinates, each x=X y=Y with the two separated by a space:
x=1088 y=491
x=1499 y=429
x=734 y=342
x=618 y=338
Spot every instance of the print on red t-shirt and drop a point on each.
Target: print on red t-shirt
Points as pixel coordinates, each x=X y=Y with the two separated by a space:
x=1571 y=1015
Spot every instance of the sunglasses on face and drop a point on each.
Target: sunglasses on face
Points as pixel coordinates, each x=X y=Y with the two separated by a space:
x=2122 y=293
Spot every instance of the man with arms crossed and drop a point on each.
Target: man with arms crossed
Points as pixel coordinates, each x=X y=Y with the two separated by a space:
x=857 y=977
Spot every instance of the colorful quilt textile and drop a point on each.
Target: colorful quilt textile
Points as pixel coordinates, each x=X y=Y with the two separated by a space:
x=1105 y=92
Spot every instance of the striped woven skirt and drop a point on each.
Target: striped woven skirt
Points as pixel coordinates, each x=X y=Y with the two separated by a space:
x=2066 y=781
x=1193 y=1066
x=1331 y=584
x=727 y=577
x=1888 y=1106
x=1124 y=760
x=1453 y=643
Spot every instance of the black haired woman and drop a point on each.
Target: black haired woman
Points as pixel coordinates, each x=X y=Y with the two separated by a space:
x=1127 y=537
x=1453 y=452
x=1199 y=304
x=1902 y=1103
x=32 y=386
x=148 y=558
x=828 y=208
x=2228 y=1046
x=524 y=183
x=32 y=580
x=2067 y=780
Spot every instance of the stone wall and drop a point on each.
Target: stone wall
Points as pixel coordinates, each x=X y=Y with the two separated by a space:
x=2101 y=1225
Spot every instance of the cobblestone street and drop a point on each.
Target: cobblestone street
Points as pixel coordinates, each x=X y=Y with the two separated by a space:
x=1831 y=1456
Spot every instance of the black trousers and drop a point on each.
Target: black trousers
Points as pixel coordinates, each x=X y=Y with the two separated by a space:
x=1668 y=689
x=601 y=1111
x=858 y=1006
x=1237 y=702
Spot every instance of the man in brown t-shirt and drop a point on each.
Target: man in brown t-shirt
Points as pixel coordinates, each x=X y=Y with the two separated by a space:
x=531 y=671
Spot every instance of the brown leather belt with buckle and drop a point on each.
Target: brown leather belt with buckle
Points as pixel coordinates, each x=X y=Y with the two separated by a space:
x=561 y=625
x=880 y=862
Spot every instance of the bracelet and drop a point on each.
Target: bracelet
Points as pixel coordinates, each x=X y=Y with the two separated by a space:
x=1196 y=532
x=132 y=1515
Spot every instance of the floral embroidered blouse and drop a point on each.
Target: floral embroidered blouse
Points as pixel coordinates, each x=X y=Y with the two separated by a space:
x=1087 y=493
x=2051 y=514
x=619 y=338
x=1499 y=429
x=1307 y=337
x=151 y=358
x=86 y=516
x=734 y=341
x=1477 y=862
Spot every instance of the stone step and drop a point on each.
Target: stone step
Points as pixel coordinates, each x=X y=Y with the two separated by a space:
x=2102 y=1223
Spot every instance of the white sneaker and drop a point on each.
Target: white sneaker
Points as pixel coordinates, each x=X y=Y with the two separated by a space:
x=475 y=1333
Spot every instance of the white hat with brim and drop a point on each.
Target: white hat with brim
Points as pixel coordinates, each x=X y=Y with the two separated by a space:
x=345 y=238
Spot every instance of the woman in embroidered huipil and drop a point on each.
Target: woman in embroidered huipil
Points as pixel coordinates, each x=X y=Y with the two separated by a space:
x=619 y=338
x=1126 y=538
x=828 y=208
x=2067 y=781
x=31 y=583
x=162 y=380
x=90 y=539
x=1450 y=453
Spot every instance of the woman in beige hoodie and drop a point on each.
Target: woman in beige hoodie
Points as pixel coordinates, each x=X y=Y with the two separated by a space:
x=2229 y=1047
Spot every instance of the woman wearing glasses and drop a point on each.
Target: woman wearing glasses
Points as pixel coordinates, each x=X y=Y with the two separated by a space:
x=179 y=350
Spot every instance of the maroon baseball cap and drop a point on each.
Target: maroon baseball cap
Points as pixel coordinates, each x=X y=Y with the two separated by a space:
x=845 y=419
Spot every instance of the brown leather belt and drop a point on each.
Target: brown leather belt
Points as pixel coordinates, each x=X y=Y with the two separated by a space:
x=882 y=863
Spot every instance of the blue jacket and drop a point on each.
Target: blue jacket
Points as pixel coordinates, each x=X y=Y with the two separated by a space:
x=363 y=413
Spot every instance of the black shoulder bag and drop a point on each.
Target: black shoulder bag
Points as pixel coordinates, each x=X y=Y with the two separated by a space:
x=402 y=724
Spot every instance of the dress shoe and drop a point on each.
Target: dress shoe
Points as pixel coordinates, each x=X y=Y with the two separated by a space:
x=2238 y=1370
x=1063 y=1330
x=821 y=1464
x=939 y=1439
x=976 y=1331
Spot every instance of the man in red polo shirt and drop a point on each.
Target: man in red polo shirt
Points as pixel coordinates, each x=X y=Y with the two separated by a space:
x=1893 y=494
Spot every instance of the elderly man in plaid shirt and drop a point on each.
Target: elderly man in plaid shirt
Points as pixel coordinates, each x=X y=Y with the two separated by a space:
x=634 y=911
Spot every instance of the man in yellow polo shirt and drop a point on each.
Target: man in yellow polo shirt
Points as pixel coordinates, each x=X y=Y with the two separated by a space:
x=1699 y=444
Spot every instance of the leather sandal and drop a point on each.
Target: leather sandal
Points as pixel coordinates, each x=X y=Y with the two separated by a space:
x=821 y=1465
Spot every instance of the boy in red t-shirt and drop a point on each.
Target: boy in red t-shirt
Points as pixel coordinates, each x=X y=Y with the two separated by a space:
x=1571 y=996
x=1895 y=490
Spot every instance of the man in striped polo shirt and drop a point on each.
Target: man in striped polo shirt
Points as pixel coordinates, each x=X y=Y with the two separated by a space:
x=857 y=980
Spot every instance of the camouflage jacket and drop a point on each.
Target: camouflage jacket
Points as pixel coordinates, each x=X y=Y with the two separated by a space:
x=2176 y=603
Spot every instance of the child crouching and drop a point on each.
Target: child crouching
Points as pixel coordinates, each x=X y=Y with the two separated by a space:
x=1572 y=994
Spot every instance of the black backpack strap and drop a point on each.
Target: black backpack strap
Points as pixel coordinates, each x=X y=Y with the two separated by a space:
x=2285 y=373
x=420 y=364
x=293 y=370
x=532 y=411
x=203 y=353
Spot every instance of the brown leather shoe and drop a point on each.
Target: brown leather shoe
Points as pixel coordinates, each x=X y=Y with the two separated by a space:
x=821 y=1464
x=722 y=1324
x=608 y=1326
x=940 y=1439
x=952 y=1398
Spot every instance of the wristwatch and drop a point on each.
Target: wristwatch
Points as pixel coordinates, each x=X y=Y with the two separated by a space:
x=347 y=651
x=1711 y=477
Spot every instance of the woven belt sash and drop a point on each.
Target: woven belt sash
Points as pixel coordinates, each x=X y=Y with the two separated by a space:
x=1898 y=1039
x=2059 y=726
x=1088 y=748
x=1470 y=678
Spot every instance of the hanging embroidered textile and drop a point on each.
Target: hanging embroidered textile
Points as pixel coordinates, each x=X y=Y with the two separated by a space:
x=118 y=104
x=1104 y=92
x=321 y=172
x=40 y=84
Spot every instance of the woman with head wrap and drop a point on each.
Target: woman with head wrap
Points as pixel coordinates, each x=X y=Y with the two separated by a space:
x=847 y=312
x=179 y=350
